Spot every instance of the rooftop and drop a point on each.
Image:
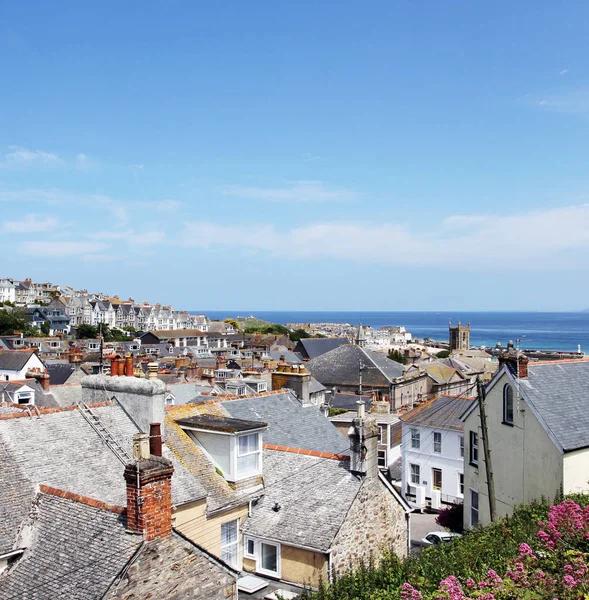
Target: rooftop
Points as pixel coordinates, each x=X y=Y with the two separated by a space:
x=224 y=424
x=443 y=412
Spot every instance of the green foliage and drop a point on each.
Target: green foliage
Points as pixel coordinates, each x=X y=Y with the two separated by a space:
x=299 y=334
x=333 y=412
x=478 y=551
x=15 y=320
x=86 y=332
x=443 y=354
x=272 y=328
x=233 y=323
x=397 y=356
x=45 y=328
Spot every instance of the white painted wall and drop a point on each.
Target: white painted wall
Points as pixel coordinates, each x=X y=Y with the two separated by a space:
x=34 y=362
x=448 y=460
x=576 y=472
x=526 y=463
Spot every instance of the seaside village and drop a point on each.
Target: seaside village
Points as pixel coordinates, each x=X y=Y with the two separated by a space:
x=195 y=459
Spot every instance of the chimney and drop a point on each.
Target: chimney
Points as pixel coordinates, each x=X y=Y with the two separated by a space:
x=114 y=365
x=121 y=366
x=45 y=380
x=155 y=439
x=296 y=378
x=152 y=370
x=129 y=370
x=518 y=365
x=221 y=362
x=149 y=497
x=363 y=436
x=380 y=405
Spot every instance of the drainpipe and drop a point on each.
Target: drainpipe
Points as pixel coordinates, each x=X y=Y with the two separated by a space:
x=408 y=517
x=329 y=569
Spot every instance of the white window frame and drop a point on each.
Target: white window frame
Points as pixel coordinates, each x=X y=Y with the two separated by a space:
x=382 y=457
x=382 y=434
x=246 y=554
x=236 y=543
x=438 y=442
x=259 y=568
x=415 y=438
x=473 y=446
x=470 y=519
x=258 y=471
x=461 y=446
x=413 y=473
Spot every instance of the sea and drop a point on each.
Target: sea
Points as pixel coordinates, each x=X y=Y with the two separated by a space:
x=563 y=331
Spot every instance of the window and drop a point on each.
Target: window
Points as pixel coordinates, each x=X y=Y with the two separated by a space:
x=269 y=559
x=415 y=438
x=437 y=479
x=474 y=449
x=507 y=404
x=382 y=434
x=249 y=550
x=229 y=551
x=461 y=442
x=461 y=484
x=415 y=475
x=474 y=508
x=382 y=459
x=437 y=442
x=248 y=454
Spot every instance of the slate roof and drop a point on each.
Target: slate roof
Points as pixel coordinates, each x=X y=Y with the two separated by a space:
x=315 y=386
x=16 y=494
x=61 y=450
x=313 y=347
x=14 y=360
x=225 y=424
x=289 y=423
x=289 y=356
x=441 y=373
x=76 y=553
x=443 y=412
x=59 y=373
x=348 y=401
x=314 y=496
x=560 y=393
x=342 y=367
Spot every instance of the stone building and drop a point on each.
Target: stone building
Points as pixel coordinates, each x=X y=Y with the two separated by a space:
x=459 y=336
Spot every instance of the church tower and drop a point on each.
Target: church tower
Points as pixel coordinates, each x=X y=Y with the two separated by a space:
x=361 y=339
x=459 y=336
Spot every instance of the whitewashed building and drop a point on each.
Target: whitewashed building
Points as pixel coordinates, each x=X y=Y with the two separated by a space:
x=432 y=445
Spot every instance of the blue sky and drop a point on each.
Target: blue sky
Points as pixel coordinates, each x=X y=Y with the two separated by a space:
x=299 y=155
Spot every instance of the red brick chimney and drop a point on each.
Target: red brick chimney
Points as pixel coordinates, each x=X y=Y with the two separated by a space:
x=149 y=495
x=518 y=365
x=45 y=380
x=114 y=365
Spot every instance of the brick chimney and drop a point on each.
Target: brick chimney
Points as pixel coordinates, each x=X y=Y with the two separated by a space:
x=149 y=494
x=294 y=377
x=518 y=365
x=114 y=365
x=363 y=435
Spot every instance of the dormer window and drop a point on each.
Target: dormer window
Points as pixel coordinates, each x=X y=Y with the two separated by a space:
x=234 y=446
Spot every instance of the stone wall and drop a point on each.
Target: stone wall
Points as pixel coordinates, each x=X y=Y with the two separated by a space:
x=375 y=522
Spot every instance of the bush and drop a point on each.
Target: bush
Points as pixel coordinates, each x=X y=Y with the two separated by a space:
x=451 y=518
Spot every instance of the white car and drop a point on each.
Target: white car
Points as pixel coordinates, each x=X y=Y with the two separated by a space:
x=434 y=538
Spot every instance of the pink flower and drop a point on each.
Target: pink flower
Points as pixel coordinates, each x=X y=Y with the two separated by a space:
x=569 y=582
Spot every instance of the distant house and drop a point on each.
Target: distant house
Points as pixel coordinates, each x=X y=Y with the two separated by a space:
x=179 y=338
x=309 y=348
x=15 y=364
x=432 y=452
x=58 y=321
x=443 y=379
x=538 y=432
x=350 y=368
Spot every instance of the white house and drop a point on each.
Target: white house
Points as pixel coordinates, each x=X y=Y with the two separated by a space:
x=7 y=290
x=432 y=446
x=14 y=364
x=538 y=430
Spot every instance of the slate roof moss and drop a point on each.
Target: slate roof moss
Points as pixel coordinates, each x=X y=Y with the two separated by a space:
x=62 y=450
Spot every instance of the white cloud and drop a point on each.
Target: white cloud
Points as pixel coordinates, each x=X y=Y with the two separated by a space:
x=21 y=157
x=564 y=72
x=84 y=163
x=302 y=191
x=573 y=103
x=60 y=249
x=131 y=236
x=535 y=241
x=30 y=224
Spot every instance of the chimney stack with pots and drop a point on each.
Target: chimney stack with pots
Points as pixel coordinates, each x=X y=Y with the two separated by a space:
x=149 y=492
x=516 y=362
x=363 y=435
x=129 y=370
x=296 y=378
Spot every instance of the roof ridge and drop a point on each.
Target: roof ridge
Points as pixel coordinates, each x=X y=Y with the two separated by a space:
x=51 y=410
x=557 y=361
x=46 y=489
x=305 y=452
